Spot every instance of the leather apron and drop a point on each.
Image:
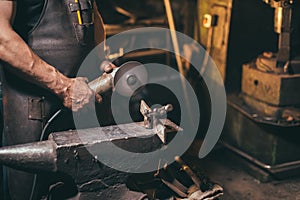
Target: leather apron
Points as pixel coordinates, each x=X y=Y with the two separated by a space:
x=61 y=41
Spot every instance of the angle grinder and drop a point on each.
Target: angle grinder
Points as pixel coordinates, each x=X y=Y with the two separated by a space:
x=124 y=79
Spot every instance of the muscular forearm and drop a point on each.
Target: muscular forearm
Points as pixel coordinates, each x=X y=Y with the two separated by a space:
x=16 y=52
x=74 y=92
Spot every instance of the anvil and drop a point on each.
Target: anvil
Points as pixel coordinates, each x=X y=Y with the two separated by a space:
x=66 y=152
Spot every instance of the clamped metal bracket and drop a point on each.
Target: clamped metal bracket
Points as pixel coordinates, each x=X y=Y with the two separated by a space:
x=153 y=119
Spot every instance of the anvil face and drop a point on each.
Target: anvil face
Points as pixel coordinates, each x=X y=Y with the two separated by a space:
x=121 y=132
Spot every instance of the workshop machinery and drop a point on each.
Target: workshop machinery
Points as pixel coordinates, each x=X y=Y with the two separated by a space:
x=263 y=121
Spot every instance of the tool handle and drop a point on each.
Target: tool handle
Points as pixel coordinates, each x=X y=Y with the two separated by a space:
x=189 y=171
x=103 y=83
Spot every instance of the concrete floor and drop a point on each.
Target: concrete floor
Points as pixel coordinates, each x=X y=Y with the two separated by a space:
x=223 y=168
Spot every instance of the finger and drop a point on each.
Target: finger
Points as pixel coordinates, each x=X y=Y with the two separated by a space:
x=98 y=98
x=107 y=66
x=104 y=64
x=108 y=69
x=67 y=104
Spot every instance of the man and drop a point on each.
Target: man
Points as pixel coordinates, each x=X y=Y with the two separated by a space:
x=42 y=44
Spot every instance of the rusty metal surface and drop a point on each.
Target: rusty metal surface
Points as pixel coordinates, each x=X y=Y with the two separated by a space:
x=274 y=89
x=238 y=103
x=66 y=152
x=270 y=142
x=104 y=134
x=281 y=116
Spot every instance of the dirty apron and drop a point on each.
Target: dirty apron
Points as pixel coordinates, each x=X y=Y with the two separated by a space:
x=51 y=29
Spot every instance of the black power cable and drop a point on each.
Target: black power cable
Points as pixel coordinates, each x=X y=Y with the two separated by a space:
x=53 y=117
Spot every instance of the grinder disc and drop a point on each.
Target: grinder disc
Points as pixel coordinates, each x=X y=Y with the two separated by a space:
x=129 y=77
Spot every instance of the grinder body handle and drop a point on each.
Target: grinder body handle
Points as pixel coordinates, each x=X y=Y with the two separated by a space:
x=103 y=83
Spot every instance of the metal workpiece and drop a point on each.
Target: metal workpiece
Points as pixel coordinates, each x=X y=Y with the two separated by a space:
x=153 y=119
